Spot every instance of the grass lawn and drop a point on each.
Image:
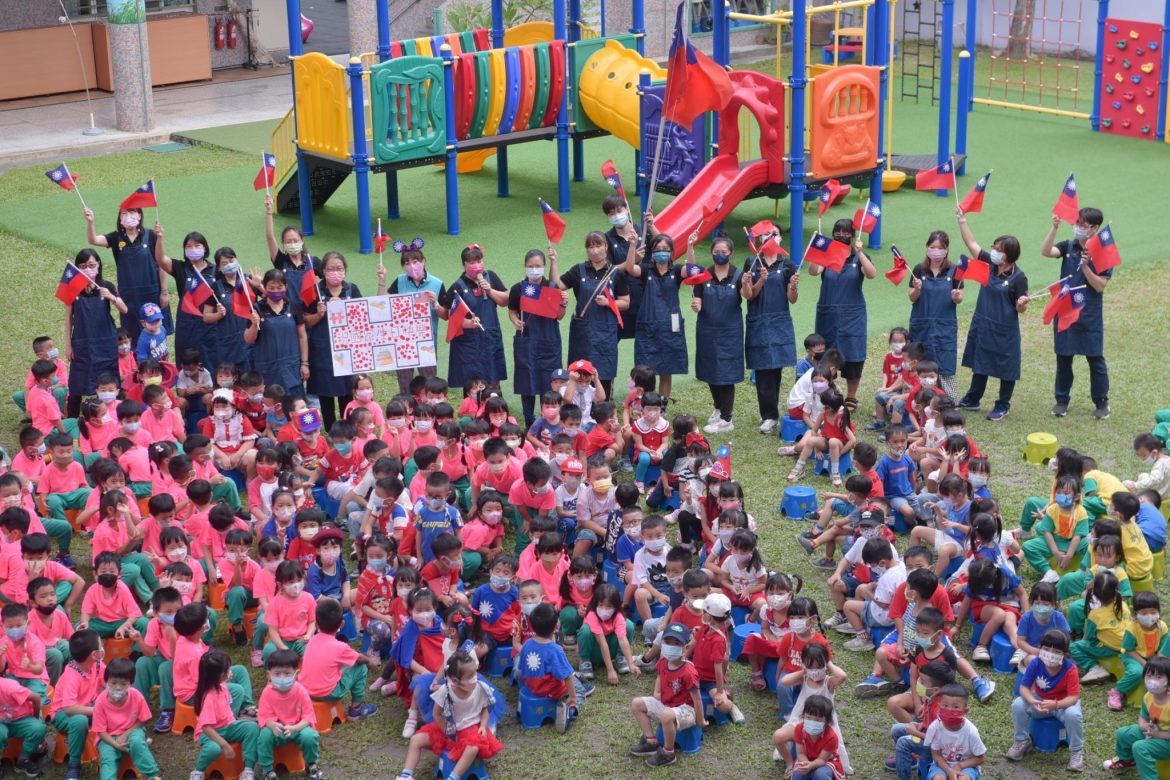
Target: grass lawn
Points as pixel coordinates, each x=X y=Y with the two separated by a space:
x=209 y=189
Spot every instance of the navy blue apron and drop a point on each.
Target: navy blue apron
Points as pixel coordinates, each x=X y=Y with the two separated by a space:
x=1086 y=336
x=477 y=353
x=277 y=352
x=230 y=346
x=719 y=332
x=993 y=341
x=593 y=336
x=618 y=251
x=94 y=342
x=322 y=382
x=191 y=330
x=841 y=316
x=137 y=279
x=657 y=345
x=770 y=339
x=536 y=352
x=933 y=321
x=295 y=274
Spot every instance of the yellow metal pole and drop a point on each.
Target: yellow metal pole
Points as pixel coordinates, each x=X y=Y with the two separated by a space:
x=891 y=179
x=1037 y=109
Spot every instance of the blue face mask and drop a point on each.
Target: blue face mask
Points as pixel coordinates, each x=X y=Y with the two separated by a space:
x=16 y=634
x=376 y=565
x=721 y=259
x=662 y=258
x=500 y=583
x=283 y=683
x=343 y=449
x=672 y=652
x=165 y=619
x=1064 y=500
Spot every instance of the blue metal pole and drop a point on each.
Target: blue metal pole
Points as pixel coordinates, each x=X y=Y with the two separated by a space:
x=1102 y=15
x=383 y=7
x=797 y=82
x=1163 y=96
x=965 y=67
x=497 y=24
x=450 y=171
x=945 y=86
x=719 y=50
x=501 y=171
x=972 y=43
x=642 y=182
x=638 y=26
x=574 y=35
x=879 y=44
x=361 y=160
x=563 y=200
x=392 y=209
x=304 y=181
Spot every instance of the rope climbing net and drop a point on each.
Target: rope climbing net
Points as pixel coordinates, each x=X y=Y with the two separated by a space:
x=1036 y=56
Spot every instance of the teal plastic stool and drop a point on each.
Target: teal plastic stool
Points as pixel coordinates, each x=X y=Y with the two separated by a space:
x=798 y=500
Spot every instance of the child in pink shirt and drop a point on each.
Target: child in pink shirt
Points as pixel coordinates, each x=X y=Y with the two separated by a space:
x=604 y=638
x=218 y=725
x=68 y=585
x=363 y=398
x=187 y=671
x=109 y=477
x=49 y=624
x=118 y=533
x=483 y=535
x=96 y=427
x=161 y=517
x=63 y=484
x=176 y=550
x=237 y=572
x=161 y=420
x=291 y=615
x=45 y=349
x=333 y=668
x=76 y=693
x=397 y=435
x=30 y=461
x=23 y=652
x=119 y=721
x=287 y=715
x=135 y=461
x=551 y=567
x=533 y=495
x=158 y=648
x=39 y=403
x=23 y=720
x=109 y=607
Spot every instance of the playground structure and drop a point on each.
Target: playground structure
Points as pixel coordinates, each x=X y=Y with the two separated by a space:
x=434 y=100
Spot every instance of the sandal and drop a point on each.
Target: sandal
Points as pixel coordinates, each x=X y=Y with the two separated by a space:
x=836 y=479
x=758 y=683
x=796 y=473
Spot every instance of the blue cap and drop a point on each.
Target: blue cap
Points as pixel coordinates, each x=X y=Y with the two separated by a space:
x=678 y=632
x=150 y=312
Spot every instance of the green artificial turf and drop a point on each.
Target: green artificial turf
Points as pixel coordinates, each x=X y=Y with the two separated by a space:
x=210 y=190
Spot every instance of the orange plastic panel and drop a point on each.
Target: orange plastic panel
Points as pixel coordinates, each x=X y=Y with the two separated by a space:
x=844 y=121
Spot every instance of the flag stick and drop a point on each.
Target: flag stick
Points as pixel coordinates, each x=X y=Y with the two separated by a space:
x=661 y=130
x=864 y=215
x=480 y=324
x=264 y=167
x=600 y=287
x=75 y=187
x=157 y=213
x=807 y=247
x=955 y=180
x=381 y=246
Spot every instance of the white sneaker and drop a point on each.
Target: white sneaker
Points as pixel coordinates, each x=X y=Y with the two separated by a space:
x=980 y=653
x=1017 y=657
x=1052 y=576
x=715 y=415
x=411 y=724
x=860 y=642
x=776 y=754
x=196 y=775
x=720 y=426
x=1098 y=672
x=247 y=774
x=767 y=426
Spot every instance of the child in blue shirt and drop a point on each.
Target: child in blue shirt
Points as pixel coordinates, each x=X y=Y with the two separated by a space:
x=897 y=471
x=951 y=513
x=433 y=515
x=545 y=669
x=498 y=603
x=1044 y=614
x=627 y=547
x=152 y=341
x=1150 y=520
x=814 y=350
x=978 y=474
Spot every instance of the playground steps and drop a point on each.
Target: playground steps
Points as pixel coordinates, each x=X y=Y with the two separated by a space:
x=913 y=164
x=325 y=176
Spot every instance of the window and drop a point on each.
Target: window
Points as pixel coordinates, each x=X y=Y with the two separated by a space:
x=92 y=8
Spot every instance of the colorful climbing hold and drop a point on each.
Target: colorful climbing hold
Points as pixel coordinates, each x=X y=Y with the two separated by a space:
x=1116 y=104
x=1113 y=28
x=1118 y=78
x=1126 y=64
x=1139 y=51
x=1141 y=110
x=1109 y=58
x=1108 y=89
x=1106 y=123
x=1149 y=91
x=1136 y=79
x=1128 y=96
x=1126 y=124
x=1145 y=130
x=1152 y=45
x=1148 y=67
x=1122 y=44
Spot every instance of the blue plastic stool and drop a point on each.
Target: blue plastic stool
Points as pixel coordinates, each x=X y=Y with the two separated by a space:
x=739 y=638
x=824 y=465
x=739 y=615
x=791 y=430
x=348 y=630
x=900 y=524
x=237 y=476
x=499 y=661
x=798 y=500
x=326 y=504
x=1047 y=734
x=534 y=710
x=658 y=609
x=445 y=766
x=686 y=741
x=610 y=569
x=952 y=567
x=1001 y=653
x=770 y=673
x=713 y=715
x=976 y=632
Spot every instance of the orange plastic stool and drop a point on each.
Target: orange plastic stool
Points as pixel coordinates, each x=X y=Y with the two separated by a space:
x=13 y=749
x=215 y=594
x=61 y=750
x=184 y=718
x=290 y=757
x=117 y=648
x=228 y=770
x=327 y=712
x=251 y=616
x=144 y=506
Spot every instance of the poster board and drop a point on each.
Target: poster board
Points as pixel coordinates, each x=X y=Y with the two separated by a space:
x=380 y=333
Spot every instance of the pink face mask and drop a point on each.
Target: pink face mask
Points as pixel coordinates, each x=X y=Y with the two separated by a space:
x=334 y=278
x=414 y=270
x=474 y=270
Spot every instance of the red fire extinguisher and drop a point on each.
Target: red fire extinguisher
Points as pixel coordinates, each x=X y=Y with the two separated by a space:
x=220 y=33
x=231 y=34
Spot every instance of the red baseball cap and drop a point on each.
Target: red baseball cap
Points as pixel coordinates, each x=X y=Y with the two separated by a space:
x=582 y=366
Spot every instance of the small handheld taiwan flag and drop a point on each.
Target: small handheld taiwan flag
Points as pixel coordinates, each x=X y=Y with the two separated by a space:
x=972 y=270
x=266 y=178
x=828 y=196
x=1071 y=311
x=1067 y=205
x=611 y=301
x=242 y=298
x=73 y=283
x=141 y=198
x=1058 y=301
x=973 y=203
x=540 y=299
x=62 y=177
x=381 y=240
x=613 y=178
x=196 y=293
x=309 y=296
x=941 y=177
x=866 y=219
x=695 y=274
x=1102 y=250
x=554 y=226
x=456 y=318
x=898 y=272
x=827 y=253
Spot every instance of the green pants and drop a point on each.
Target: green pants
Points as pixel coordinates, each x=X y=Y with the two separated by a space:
x=76 y=731
x=30 y=730
x=34 y=684
x=306 y=739
x=1086 y=653
x=588 y=648
x=152 y=670
x=1132 y=745
x=522 y=539
x=238 y=599
x=64 y=590
x=260 y=633
x=462 y=488
x=1071 y=585
x=57 y=503
x=60 y=531
x=1133 y=674
x=297 y=645
x=105 y=628
x=138 y=574
x=55 y=658
x=139 y=751
x=571 y=620
x=1075 y=613
x=226 y=492
x=241 y=732
x=353 y=682
x=1037 y=553
x=141 y=489
x=472 y=562
x=1033 y=504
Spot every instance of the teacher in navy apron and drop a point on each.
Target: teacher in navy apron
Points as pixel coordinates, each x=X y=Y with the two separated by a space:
x=139 y=279
x=536 y=347
x=935 y=295
x=92 y=346
x=770 y=342
x=479 y=350
x=841 y=314
x=593 y=330
x=623 y=234
x=717 y=302
x=993 y=340
x=280 y=346
x=661 y=341
x=1086 y=336
x=192 y=331
x=229 y=326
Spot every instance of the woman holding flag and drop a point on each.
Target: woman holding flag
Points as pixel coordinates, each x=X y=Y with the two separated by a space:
x=602 y=295
x=139 y=279
x=536 y=306
x=661 y=343
x=90 y=332
x=289 y=255
x=280 y=346
x=770 y=341
x=935 y=294
x=717 y=300
x=841 y=314
x=479 y=349
x=194 y=274
x=227 y=317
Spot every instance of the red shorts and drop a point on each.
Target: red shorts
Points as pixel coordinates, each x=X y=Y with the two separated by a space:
x=977 y=609
x=469 y=737
x=737 y=601
x=796 y=412
x=756 y=644
x=893 y=654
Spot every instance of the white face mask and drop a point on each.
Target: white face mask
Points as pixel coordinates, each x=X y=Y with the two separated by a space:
x=1148 y=620
x=779 y=601
x=293 y=589
x=177 y=554
x=996 y=256
x=798 y=625
x=1051 y=658
x=1156 y=685
x=534 y=274
x=815 y=675
x=605 y=613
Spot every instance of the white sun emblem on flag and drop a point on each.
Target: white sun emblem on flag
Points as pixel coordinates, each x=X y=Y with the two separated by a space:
x=1072 y=186
x=1043 y=683
x=532 y=661
x=57 y=175
x=486 y=610
x=530 y=289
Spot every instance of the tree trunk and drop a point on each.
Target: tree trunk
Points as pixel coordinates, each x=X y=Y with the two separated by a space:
x=1020 y=34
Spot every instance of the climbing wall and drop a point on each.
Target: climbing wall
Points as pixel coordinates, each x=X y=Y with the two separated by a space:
x=1131 y=66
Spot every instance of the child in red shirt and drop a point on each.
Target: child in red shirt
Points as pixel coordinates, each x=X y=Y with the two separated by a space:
x=709 y=653
x=675 y=705
x=817 y=743
x=441 y=575
x=374 y=594
x=650 y=433
x=341 y=465
x=892 y=382
x=605 y=437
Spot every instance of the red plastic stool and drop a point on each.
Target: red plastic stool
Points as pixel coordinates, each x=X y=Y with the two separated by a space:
x=61 y=750
x=184 y=718
x=327 y=712
x=290 y=757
